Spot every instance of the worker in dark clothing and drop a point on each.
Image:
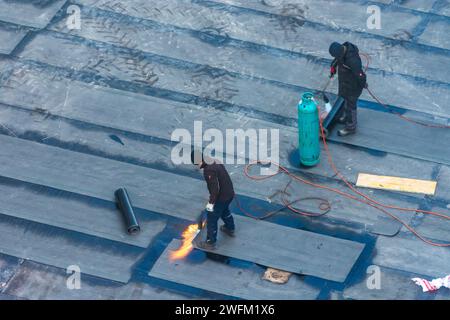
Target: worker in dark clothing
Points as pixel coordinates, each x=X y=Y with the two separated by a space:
x=221 y=193
x=352 y=80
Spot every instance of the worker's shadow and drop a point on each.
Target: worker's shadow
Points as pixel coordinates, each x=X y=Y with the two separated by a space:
x=197 y=256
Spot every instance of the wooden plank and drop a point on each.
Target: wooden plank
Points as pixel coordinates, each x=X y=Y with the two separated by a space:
x=396 y=183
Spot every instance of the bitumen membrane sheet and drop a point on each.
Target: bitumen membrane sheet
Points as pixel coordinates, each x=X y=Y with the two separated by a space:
x=270 y=245
x=401 y=253
x=62 y=248
x=37 y=281
x=242 y=281
x=56 y=208
x=97 y=177
x=404 y=288
x=88 y=110
x=99 y=105
x=288 y=34
x=36 y=14
x=10 y=37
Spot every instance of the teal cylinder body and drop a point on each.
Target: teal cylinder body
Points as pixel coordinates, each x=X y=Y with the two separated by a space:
x=308 y=130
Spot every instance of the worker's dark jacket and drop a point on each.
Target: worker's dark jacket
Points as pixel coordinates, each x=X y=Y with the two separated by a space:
x=219 y=182
x=352 y=78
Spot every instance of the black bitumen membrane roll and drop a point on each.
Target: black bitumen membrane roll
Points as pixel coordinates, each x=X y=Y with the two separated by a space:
x=125 y=206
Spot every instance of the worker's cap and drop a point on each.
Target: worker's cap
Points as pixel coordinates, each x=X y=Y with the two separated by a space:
x=196 y=156
x=336 y=50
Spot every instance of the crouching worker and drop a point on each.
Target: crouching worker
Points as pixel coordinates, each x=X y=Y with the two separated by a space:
x=221 y=193
x=352 y=81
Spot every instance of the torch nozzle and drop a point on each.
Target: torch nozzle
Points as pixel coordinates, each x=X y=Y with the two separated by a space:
x=200 y=221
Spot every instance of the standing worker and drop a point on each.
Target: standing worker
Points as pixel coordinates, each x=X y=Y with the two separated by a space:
x=352 y=81
x=221 y=193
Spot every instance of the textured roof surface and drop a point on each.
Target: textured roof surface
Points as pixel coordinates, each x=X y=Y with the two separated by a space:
x=86 y=111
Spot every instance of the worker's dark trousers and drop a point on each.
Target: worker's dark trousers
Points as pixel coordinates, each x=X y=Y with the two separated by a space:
x=221 y=210
x=350 y=113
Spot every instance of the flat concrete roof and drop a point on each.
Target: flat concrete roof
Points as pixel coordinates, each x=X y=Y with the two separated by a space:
x=86 y=111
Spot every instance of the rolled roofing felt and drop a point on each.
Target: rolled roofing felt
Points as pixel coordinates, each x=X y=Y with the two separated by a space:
x=126 y=208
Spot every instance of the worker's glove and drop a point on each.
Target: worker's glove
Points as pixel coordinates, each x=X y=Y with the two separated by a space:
x=332 y=71
x=210 y=207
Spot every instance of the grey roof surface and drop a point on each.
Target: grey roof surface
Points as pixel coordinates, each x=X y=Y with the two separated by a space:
x=84 y=112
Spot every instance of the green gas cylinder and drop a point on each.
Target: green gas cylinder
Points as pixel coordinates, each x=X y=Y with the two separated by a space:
x=308 y=130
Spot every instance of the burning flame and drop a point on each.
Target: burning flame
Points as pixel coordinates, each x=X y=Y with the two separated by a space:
x=188 y=236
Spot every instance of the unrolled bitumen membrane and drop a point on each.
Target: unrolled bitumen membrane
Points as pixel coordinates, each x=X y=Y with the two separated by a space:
x=57 y=208
x=10 y=36
x=148 y=142
x=96 y=177
x=36 y=14
x=244 y=282
x=289 y=249
x=264 y=33
x=63 y=248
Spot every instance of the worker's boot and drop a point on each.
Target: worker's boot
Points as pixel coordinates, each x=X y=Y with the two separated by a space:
x=346 y=132
x=206 y=245
x=227 y=231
